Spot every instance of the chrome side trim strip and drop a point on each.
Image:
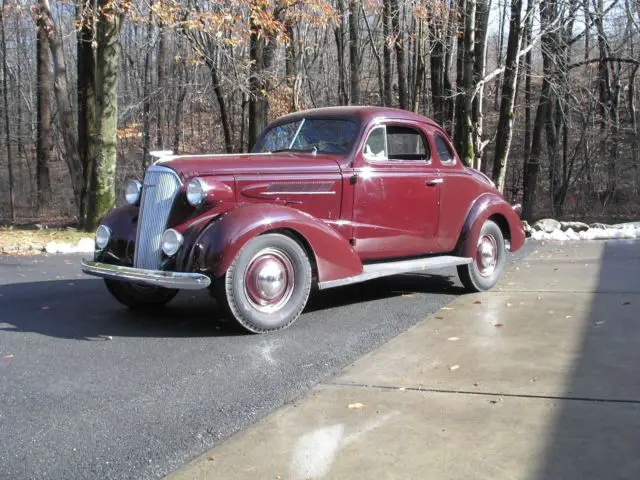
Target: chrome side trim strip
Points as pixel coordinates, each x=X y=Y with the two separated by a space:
x=156 y=278
x=377 y=270
x=298 y=193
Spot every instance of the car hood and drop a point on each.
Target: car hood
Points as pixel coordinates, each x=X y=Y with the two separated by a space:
x=189 y=166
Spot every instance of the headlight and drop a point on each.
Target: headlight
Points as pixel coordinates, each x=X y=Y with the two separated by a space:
x=102 y=236
x=132 y=193
x=171 y=242
x=196 y=191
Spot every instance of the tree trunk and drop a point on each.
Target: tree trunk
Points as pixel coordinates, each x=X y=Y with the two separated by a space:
x=543 y=114
x=162 y=91
x=376 y=53
x=102 y=197
x=177 y=118
x=44 y=146
x=5 y=96
x=61 y=88
x=339 y=34
x=420 y=68
x=505 y=122
x=398 y=44
x=86 y=94
x=480 y=57
x=146 y=93
x=354 y=50
x=386 y=49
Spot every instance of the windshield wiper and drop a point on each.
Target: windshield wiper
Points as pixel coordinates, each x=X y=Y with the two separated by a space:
x=303 y=150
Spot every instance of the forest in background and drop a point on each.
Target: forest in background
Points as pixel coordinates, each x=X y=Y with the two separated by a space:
x=540 y=95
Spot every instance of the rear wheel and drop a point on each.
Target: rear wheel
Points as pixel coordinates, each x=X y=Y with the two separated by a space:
x=488 y=263
x=268 y=284
x=137 y=296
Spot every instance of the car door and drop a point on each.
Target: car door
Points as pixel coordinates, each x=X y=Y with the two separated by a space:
x=396 y=196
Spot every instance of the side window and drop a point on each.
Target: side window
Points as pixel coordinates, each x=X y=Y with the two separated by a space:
x=445 y=153
x=376 y=146
x=406 y=143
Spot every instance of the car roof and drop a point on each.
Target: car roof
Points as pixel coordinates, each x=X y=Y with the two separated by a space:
x=361 y=113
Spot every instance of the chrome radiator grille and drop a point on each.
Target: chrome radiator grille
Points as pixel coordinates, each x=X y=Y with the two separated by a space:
x=160 y=187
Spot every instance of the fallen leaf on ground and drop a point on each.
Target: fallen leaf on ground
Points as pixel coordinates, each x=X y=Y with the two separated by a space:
x=108 y=337
x=551 y=312
x=446 y=308
x=476 y=302
x=46 y=307
x=568 y=316
x=454 y=367
x=453 y=339
x=539 y=298
x=211 y=459
x=598 y=323
x=356 y=406
x=498 y=325
x=509 y=304
x=626 y=303
x=556 y=269
x=8 y=356
x=402 y=389
x=408 y=295
x=476 y=384
x=438 y=317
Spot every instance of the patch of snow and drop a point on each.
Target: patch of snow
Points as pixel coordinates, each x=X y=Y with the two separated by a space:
x=84 y=245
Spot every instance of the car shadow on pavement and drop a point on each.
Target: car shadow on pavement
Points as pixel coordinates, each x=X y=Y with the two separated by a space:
x=595 y=432
x=83 y=310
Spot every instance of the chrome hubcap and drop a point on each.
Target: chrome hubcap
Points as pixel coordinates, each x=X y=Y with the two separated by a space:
x=486 y=255
x=269 y=280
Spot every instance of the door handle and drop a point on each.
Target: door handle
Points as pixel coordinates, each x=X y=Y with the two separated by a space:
x=435 y=181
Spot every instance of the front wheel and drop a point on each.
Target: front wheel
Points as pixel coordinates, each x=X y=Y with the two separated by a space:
x=488 y=262
x=139 y=296
x=268 y=284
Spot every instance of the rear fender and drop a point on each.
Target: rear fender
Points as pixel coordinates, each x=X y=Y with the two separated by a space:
x=490 y=206
x=221 y=241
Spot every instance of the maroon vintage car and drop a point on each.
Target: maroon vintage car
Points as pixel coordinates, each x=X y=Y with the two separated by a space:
x=328 y=197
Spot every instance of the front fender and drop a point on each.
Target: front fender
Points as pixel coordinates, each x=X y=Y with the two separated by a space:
x=122 y=222
x=490 y=205
x=220 y=242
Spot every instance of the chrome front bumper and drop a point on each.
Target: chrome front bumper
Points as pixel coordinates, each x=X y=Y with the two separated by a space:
x=156 y=278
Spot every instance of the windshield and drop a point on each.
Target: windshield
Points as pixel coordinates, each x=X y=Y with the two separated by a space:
x=323 y=135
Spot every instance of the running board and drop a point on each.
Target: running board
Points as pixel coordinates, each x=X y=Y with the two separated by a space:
x=377 y=270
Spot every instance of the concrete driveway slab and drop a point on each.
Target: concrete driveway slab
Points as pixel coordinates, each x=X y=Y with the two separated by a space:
x=413 y=435
x=516 y=343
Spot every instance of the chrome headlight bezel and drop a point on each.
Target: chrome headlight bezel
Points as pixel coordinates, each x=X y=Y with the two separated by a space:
x=171 y=242
x=102 y=237
x=133 y=192
x=196 y=191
